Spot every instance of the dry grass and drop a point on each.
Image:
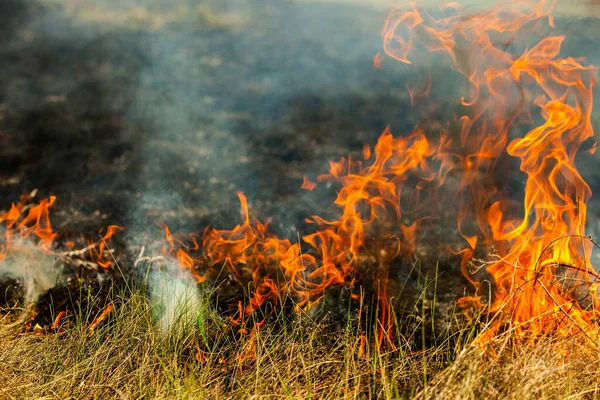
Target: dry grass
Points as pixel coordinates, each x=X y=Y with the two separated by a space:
x=127 y=357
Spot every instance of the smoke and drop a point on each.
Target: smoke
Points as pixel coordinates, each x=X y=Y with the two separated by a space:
x=229 y=104
x=152 y=110
x=33 y=269
x=564 y=7
x=173 y=292
x=175 y=297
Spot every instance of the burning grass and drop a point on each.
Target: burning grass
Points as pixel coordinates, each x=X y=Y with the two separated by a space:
x=129 y=356
x=243 y=312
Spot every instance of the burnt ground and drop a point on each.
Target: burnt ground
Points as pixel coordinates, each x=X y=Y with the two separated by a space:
x=132 y=115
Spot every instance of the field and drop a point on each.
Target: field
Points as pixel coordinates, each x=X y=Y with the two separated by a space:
x=132 y=266
x=128 y=357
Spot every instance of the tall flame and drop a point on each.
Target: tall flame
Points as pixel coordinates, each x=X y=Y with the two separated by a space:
x=547 y=242
x=541 y=253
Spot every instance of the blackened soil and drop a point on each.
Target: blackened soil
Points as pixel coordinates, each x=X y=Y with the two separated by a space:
x=130 y=120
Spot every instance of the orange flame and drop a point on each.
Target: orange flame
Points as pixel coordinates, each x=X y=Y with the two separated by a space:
x=179 y=250
x=58 y=320
x=541 y=269
x=27 y=221
x=19 y=225
x=370 y=197
x=307 y=184
x=107 y=310
x=536 y=248
x=97 y=253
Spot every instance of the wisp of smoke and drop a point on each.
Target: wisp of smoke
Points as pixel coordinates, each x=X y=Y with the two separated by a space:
x=174 y=295
x=34 y=269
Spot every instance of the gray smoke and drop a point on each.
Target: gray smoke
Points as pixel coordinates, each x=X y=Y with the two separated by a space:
x=175 y=297
x=36 y=270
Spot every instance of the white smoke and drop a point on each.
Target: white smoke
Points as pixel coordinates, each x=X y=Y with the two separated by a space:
x=175 y=296
x=36 y=270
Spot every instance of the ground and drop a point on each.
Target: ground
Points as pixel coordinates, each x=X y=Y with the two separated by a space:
x=162 y=111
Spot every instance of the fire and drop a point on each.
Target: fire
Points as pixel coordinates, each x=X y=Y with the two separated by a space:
x=546 y=243
x=530 y=105
x=97 y=250
x=107 y=310
x=58 y=320
x=540 y=255
x=28 y=241
x=22 y=222
x=26 y=221
x=307 y=184
x=361 y=244
x=176 y=247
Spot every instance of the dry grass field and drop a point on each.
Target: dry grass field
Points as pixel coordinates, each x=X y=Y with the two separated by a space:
x=128 y=356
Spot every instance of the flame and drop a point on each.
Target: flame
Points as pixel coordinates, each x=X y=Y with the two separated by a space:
x=366 y=151
x=28 y=241
x=26 y=221
x=101 y=317
x=247 y=353
x=179 y=250
x=416 y=95
x=258 y=259
x=307 y=184
x=97 y=250
x=58 y=320
x=274 y=269
x=22 y=222
x=547 y=242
